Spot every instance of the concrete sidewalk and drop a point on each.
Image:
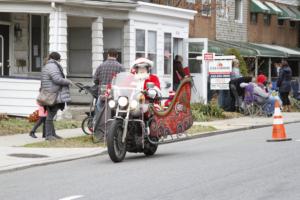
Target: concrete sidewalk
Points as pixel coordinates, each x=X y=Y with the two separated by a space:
x=14 y=156
x=11 y=146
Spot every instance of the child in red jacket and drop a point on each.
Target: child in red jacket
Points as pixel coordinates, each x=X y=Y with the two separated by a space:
x=42 y=119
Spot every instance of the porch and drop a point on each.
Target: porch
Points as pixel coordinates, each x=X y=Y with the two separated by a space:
x=82 y=33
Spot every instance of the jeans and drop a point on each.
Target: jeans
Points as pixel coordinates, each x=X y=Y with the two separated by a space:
x=269 y=108
x=102 y=114
x=237 y=99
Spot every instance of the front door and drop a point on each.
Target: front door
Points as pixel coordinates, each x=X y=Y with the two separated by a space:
x=4 y=50
x=196 y=46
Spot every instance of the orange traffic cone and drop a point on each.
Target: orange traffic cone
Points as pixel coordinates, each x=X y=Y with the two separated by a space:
x=278 y=133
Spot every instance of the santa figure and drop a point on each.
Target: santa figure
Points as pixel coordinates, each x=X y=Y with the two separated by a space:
x=150 y=82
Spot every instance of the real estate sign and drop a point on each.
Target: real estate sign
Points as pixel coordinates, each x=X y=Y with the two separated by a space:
x=219 y=74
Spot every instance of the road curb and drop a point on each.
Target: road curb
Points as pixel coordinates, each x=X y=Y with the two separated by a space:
x=17 y=168
x=220 y=132
x=201 y=135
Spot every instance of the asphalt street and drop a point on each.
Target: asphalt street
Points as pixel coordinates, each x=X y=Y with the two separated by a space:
x=240 y=165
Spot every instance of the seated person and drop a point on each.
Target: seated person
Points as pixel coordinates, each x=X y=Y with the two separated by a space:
x=261 y=96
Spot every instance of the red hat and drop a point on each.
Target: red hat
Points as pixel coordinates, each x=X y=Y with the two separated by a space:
x=261 y=78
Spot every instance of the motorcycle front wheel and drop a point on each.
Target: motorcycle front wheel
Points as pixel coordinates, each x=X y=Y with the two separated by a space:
x=150 y=148
x=115 y=147
x=87 y=125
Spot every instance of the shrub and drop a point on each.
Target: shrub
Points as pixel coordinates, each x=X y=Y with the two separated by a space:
x=237 y=54
x=206 y=112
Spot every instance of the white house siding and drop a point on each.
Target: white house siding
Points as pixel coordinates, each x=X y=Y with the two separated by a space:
x=18 y=96
x=229 y=28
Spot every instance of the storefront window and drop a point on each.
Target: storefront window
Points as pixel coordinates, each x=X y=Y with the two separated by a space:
x=253 y=18
x=167 y=53
x=267 y=19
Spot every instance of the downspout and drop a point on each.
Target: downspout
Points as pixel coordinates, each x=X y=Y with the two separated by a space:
x=269 y=69
x=256 y=66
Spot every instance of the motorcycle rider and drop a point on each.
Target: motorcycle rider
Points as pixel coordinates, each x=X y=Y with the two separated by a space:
x=142 y=71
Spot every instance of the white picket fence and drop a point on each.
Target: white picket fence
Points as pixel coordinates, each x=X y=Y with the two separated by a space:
x=18 y=96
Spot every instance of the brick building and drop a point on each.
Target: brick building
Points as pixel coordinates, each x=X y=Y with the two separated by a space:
x=263 y=30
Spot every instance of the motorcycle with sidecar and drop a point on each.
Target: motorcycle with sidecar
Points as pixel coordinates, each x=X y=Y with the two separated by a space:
x=137 y=124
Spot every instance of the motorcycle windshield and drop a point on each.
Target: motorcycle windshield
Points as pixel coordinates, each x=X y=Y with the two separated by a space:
x=124 y=84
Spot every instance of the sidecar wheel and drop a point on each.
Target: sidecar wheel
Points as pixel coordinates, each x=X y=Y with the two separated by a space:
x=116 y=149
x=150 y=148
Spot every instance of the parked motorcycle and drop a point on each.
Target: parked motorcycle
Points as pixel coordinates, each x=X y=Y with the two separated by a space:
x=137 y=126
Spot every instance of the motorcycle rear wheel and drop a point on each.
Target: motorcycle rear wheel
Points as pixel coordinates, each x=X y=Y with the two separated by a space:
x=116 y=149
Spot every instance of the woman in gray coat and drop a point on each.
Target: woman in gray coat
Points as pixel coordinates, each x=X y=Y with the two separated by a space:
x=53 y=80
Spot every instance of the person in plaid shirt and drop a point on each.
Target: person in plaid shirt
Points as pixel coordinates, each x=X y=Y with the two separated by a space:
x=107 y=70
x=103 y=77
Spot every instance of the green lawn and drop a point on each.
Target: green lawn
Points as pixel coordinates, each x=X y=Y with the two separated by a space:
x=86 y=141
x=22 y=125
x=200 y=129
x=75 y=142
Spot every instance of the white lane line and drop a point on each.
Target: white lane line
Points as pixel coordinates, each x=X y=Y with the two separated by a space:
x=297 y=140
x=72 y=197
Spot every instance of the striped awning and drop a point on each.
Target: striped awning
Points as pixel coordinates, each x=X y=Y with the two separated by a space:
x=257 y=6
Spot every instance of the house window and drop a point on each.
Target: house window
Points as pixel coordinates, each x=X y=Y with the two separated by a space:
x=253 y=18
x=280 y=22
x=222 y=9
x=152 y=48
x=238 y=10
x=140 y=44
x=38 y=41
x=267 y=19
x=206 y=7
x=167 y=53
x=195 y=49
x=146 y=46
x=190 y=1
x=292 y=24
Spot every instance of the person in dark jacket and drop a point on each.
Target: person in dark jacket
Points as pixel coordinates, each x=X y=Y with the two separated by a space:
x=53 y=80
x=178 y=72
x=284 y=84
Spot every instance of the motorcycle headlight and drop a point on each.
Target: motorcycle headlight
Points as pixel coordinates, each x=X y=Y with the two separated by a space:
x=111 y=103
x=123 y=101
x=134 y=104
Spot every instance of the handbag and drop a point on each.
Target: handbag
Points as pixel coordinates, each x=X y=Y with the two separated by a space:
x=46 y=98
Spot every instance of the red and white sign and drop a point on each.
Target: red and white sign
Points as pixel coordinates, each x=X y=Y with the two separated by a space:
x=208 y=56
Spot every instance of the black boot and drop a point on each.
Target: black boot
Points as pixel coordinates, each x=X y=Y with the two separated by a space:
x=32 y=134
